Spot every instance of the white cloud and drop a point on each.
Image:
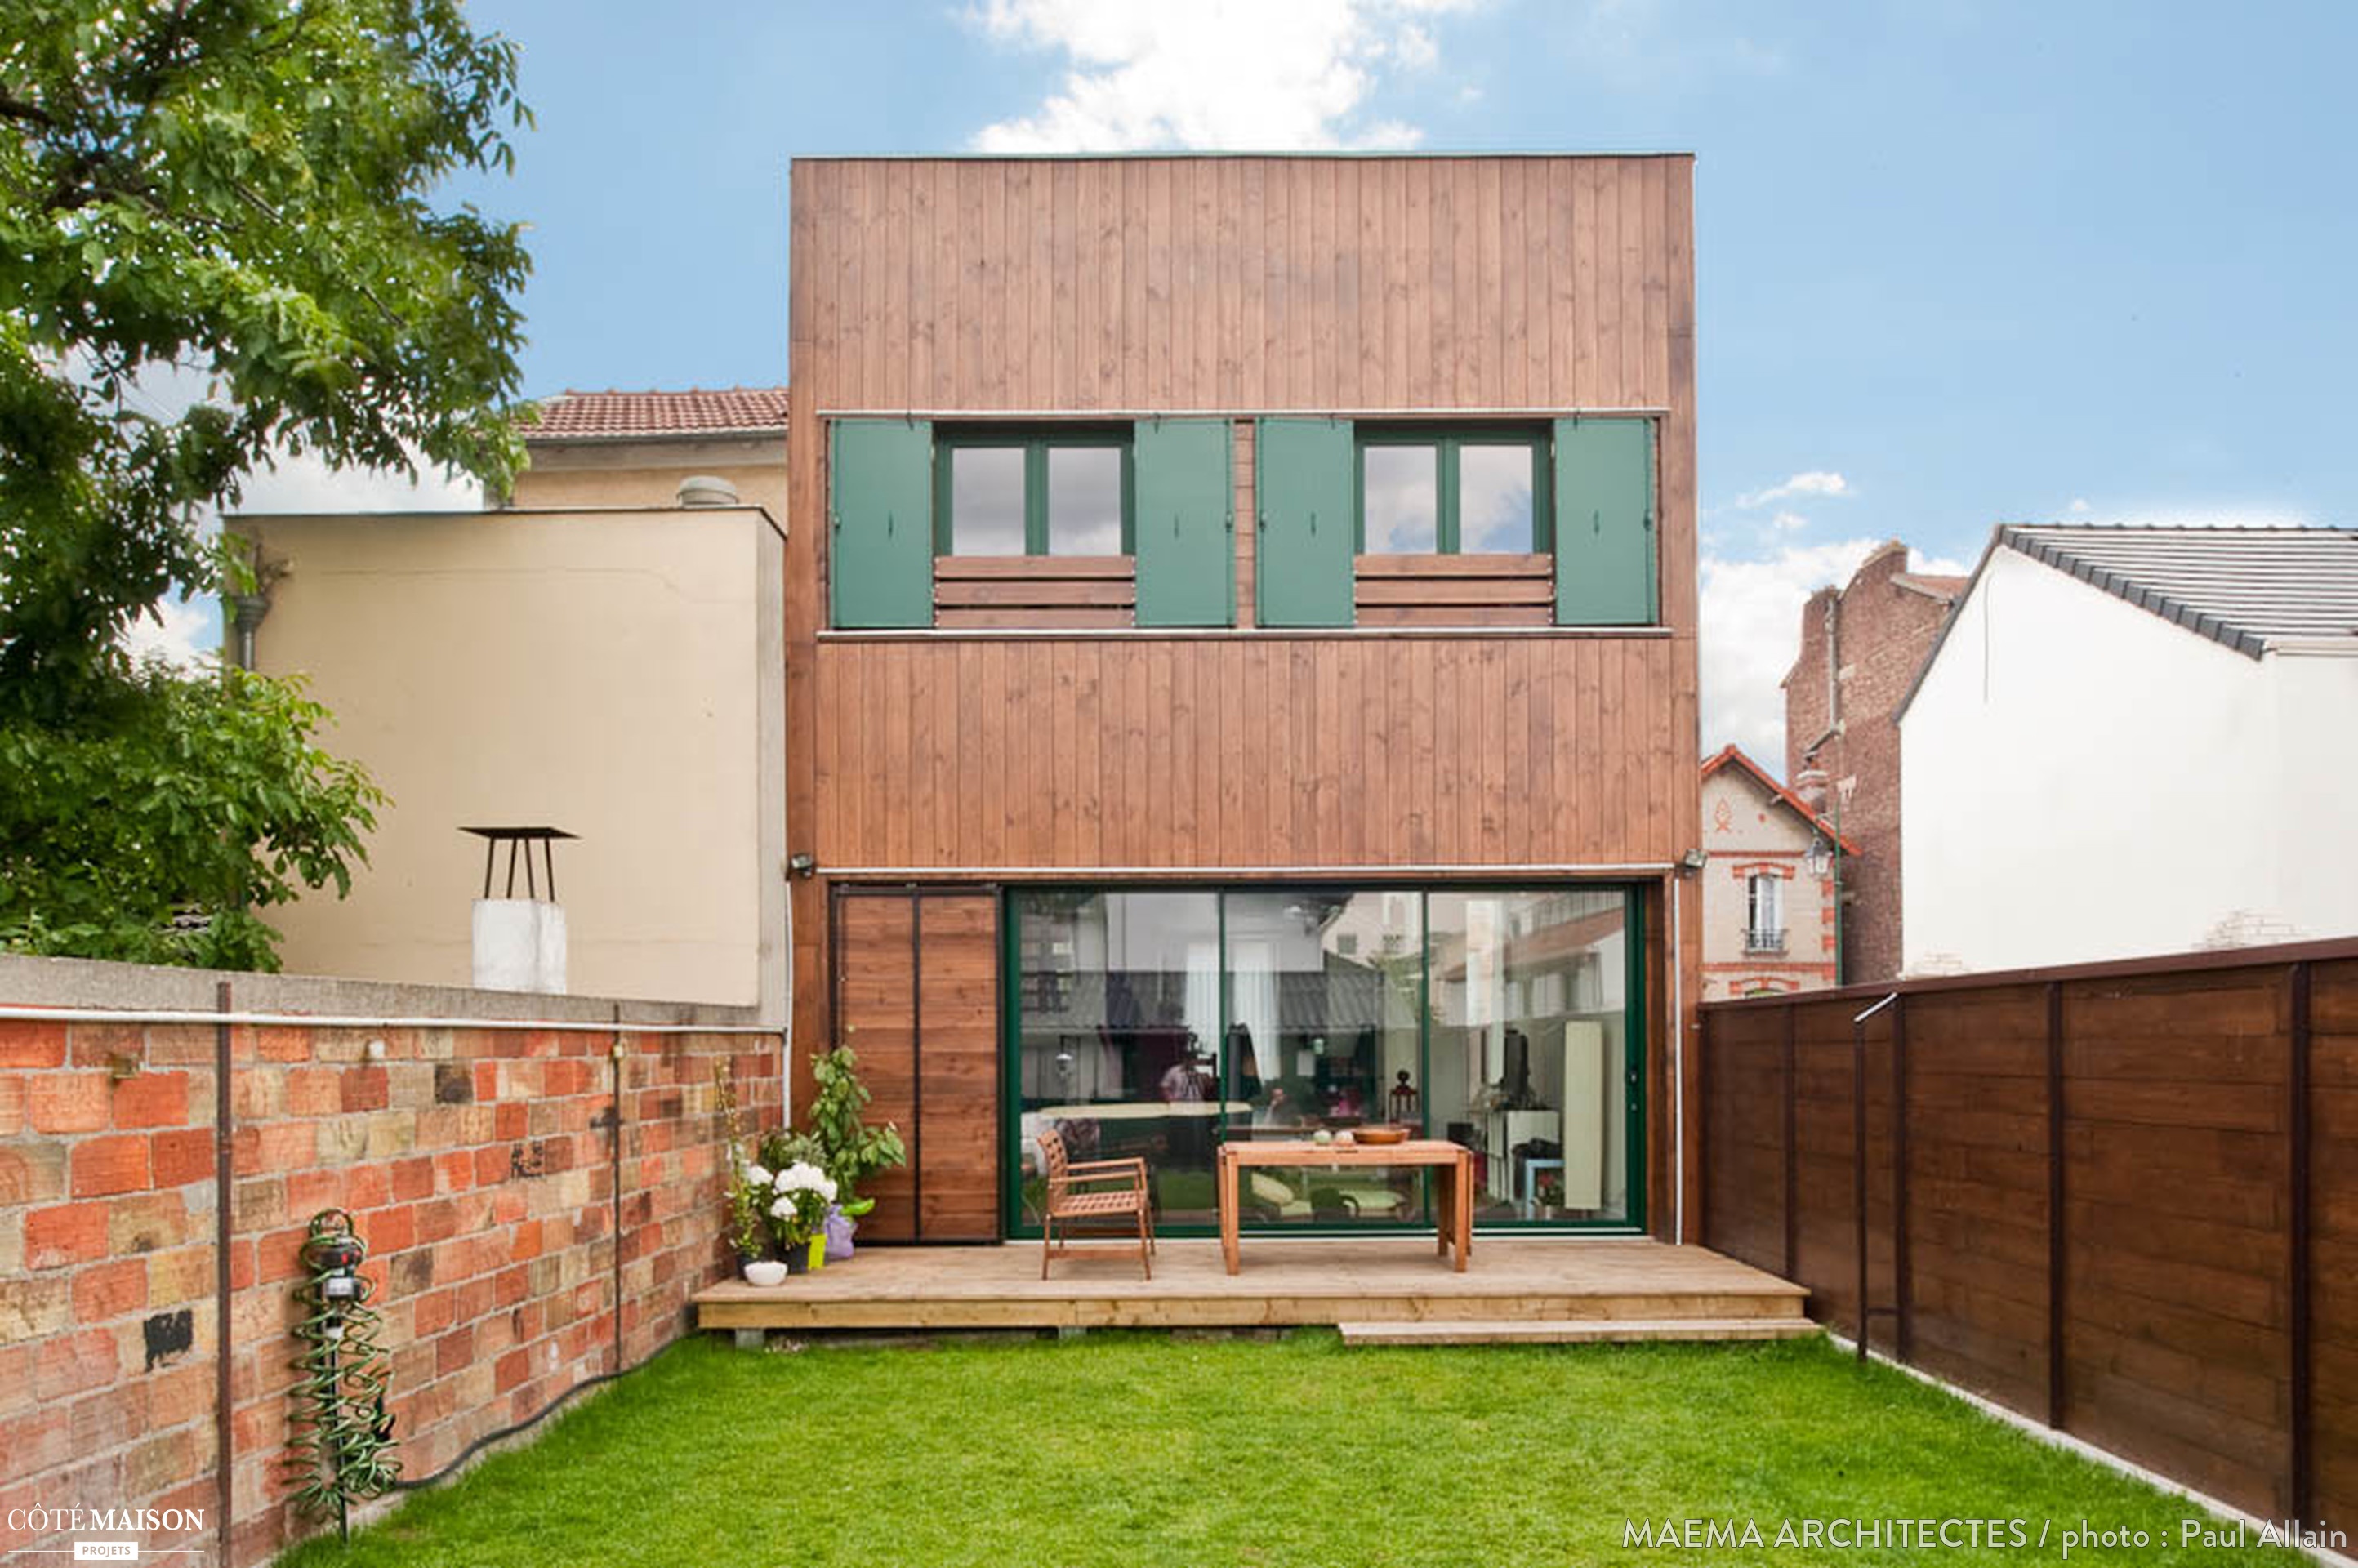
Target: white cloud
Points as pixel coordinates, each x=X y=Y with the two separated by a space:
x=1815 y=481
x=1789 y=522
x=2079 y=507
x=306 y=483
x=184 y=633
x=1751 y=633
x=1241 y=74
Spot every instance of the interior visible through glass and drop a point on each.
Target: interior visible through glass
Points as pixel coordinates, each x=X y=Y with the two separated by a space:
x=1494 y=499
x=1323 y=991
x=1528 y=1039
x=1158 y=1024
x=1084 y=501
x=1399 y=499
x=1118 y=1018
x=987 y=501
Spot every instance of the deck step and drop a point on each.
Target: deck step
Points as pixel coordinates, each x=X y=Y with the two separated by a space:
x=1574 y=1331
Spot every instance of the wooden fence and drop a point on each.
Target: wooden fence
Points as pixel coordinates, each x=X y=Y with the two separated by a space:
x=2118 y=1198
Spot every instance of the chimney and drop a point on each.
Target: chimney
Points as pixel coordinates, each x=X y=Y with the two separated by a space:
x=519 y=943
x=706 y=490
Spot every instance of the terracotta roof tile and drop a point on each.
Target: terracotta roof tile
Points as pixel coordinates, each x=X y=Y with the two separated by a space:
x=577 y=416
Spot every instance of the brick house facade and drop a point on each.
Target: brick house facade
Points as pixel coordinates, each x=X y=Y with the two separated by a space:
x=1768 y=901
x=1861 y=647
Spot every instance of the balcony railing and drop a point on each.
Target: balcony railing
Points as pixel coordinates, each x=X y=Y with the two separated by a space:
x=1764 y=941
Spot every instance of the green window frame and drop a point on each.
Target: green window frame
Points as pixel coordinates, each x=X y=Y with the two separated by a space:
x=1036 y=444
x=1449 y=443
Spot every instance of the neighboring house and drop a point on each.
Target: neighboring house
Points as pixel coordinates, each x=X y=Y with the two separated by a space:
x=633 y=449
x=2135 y=740
x=1241 y=669
x=597 y=657
x=1860 y=648
x=1769 y=924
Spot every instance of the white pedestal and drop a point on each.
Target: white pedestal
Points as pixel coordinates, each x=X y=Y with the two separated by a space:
x=519 y=944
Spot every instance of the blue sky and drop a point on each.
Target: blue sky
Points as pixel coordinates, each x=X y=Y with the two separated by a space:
x=1958 y=263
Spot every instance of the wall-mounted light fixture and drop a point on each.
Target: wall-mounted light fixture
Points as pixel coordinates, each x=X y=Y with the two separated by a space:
x=801 y=865
x=1820 y=858
x=1692 y=861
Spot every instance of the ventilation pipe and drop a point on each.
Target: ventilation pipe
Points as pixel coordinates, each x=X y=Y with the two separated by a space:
x=706 y=490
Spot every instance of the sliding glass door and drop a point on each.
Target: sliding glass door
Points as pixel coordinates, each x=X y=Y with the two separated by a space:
x=1117 y=1010
x=1157 y=1023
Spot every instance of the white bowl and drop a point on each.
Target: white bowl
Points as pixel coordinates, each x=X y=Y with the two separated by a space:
x=765 y=1273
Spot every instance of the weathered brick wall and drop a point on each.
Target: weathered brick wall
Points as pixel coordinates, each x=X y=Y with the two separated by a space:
x=1884 y=629
x=479 y=1164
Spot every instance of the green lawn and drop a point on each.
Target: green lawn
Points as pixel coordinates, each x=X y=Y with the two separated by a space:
x=1119 y=1450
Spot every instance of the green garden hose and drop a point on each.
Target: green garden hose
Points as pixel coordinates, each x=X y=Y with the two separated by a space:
x=342 y=1446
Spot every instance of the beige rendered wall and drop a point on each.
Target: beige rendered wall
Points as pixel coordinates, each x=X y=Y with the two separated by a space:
x=616 y=674
x=1745 y=828
x=589 y=475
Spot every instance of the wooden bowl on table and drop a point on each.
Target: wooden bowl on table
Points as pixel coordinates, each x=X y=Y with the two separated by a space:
x=1382 y=1134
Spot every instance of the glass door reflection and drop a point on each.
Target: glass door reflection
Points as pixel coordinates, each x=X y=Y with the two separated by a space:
x=1324 y=992
x=1529 y=1041
x=1118 y=1024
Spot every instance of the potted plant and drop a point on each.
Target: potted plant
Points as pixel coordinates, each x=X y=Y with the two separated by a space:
x=1549 y=1190
x=848 y=1149
x=802 y=1193
x=748 y=1195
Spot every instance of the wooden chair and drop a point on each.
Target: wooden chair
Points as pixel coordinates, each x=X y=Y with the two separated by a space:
x=1091 y=1190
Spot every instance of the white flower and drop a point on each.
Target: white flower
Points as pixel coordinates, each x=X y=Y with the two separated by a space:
x=756 y=1176
x=784 y=1209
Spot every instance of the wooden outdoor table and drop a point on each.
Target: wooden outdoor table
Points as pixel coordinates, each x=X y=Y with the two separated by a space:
x=1455 y=1219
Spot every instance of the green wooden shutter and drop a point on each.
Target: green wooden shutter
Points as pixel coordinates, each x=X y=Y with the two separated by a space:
x=1605 y=532
x=1184 y=519
x=1302 y=479
x=880 y=561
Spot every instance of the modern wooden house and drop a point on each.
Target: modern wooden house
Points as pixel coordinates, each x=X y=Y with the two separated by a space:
x=1241 y=671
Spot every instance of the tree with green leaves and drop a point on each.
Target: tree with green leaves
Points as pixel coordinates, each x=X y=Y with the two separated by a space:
x=240 y=194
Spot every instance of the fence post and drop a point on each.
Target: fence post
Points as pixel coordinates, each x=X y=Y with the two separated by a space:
x=2303 y=1457
x=1858 y=1168
x=2055 y=1252
x=1792 y=1156
x=1900 y=1292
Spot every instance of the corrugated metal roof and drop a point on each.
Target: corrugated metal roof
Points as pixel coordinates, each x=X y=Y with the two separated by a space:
x=2244 y=588
x=615 y=415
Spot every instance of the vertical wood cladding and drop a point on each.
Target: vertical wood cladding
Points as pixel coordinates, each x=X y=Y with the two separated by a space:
x=1241 y=285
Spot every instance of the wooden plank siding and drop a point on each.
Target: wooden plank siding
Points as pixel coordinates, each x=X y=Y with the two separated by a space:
x=1238 y=287
x=2203 y=1265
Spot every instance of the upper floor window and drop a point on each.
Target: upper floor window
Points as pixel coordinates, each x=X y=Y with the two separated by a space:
x=1473 y=492
x=1063 y=493
x=1764 y=912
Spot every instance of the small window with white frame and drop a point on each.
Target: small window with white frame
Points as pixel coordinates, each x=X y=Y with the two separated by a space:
x=1764 y=912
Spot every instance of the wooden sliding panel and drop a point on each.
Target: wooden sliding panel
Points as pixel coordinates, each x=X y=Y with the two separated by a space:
x=916 y=984
x=877 y=1002
x=958 y=1066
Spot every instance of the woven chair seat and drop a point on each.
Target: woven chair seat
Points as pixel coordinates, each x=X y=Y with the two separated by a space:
x=1123 y=1201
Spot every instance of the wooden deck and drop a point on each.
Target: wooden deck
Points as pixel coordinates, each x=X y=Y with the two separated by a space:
x=1283 y=1283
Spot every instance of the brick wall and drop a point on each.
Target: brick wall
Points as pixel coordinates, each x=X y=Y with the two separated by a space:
x=1884 y=623
x=479 y=1164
